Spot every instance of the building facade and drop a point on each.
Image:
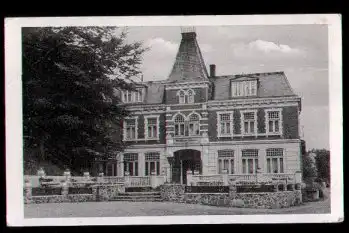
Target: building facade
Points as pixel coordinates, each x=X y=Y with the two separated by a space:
x=199 y=122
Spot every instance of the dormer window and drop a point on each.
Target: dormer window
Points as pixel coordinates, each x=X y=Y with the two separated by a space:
x=186 y=96
x=133 y=96
x=243 y=88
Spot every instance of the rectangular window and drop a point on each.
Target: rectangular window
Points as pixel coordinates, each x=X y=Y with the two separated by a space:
x=131 y=164
x=249 y=122
x=243 y=88
x=225 y=122
x=133 y=96
x=152 y=127
x=275 y=162
x=226 y=161
x=249 y=161
x=152 y=163
x=273 y=121
x=130 y=126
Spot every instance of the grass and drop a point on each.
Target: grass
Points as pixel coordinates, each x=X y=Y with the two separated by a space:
x=126 y=209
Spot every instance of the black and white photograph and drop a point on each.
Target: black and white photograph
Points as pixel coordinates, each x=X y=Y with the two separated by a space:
x=173 y=120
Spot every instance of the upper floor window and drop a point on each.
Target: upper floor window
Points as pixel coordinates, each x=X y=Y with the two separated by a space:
x=225 y=123
x=130 y=129
x=151 y=127
x=273 y=121
x=187 y=126
x=248 y=122
x=243 y=88
x=186 y=96
x=133 y=96
x=194 y=124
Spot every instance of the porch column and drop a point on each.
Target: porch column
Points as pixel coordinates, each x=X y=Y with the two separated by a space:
x=141 y=164
x=121 y=165
x=262 y=161
x=204 y=158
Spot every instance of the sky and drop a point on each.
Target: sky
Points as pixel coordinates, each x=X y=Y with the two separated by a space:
x=301 y=51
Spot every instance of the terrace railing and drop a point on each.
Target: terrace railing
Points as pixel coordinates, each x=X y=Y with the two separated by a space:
x=137 y=181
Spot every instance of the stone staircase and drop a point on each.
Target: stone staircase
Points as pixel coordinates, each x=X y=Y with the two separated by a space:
x=139 y=197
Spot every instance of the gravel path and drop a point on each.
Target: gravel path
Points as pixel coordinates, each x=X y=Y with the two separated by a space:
x=125 y=209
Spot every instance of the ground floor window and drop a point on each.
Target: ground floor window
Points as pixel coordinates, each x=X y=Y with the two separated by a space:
x=131 y=164
x=226 y=161
x=249 y=161
x=275 y=161
x=111 y=169
x=152 y=163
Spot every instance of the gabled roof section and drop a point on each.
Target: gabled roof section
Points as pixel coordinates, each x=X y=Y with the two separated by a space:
x=189 y=64
x=273 y=84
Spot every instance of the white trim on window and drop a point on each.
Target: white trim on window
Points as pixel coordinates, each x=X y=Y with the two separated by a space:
x=280 y=122
x=243 y=88
x=125 y=126
x=183 y=96
x=128 y=96
x=242 y=125
x=231 y=122
x=146 y=118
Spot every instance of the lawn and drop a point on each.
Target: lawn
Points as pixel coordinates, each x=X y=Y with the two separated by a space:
x=126 y=209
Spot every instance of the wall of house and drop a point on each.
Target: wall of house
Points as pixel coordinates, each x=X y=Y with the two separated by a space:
x=289 y=119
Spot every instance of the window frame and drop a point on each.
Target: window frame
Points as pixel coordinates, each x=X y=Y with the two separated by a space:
x=147 y=163
x=247 y=158
x=134 y=162
x=184 y=97
x=255 y=122
x=278 y=159
x=221 y=160
x=267 y=121
x=243 y=88
x=137 y=96
x=146 y=125
x=231 y=121
x=125 y=128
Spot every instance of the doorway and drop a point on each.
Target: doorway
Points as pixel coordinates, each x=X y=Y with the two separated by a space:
x=185 y=160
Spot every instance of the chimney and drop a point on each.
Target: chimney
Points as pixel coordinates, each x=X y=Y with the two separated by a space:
x=212 y=70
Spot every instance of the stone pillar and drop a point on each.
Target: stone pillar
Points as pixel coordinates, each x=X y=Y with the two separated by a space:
x=65 y=189
x=141 y=164
x=100 y=178
x=41 y=173
x=153 y=179
x=204 y=157
x=232 y=191
x=127 y=178
x=86 y=176
x=189 y=178
x=67 y=175
x=262 y=161
x=225 y=177
x=28 y=192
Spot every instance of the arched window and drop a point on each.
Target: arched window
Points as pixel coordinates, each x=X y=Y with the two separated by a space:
x=181 y=95
x=194 y=124
x=190 y=96
x=179 y=122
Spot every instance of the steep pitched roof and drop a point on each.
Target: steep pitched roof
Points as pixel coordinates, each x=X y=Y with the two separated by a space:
x=273 y=84
x=189 y=64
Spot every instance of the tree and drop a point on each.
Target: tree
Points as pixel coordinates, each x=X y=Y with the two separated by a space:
x=70 y=75
x=323 y=164
x=309 y=167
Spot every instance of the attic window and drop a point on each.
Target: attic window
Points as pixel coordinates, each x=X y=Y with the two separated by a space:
x=133 y=96
x=244 y=88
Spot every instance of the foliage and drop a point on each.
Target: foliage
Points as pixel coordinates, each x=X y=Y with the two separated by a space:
x=309 y=167
x=70 y=76
x=323 y=164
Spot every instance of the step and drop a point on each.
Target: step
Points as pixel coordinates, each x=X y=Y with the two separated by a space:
x=140 y=193
x=137 y=197
x=138 y=200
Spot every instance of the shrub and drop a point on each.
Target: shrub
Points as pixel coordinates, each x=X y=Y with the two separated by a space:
x=237 y=203
x=39 y=191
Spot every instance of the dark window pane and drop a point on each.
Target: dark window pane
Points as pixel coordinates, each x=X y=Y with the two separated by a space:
x=136 y=169
x=158 y=168
x=146 y=169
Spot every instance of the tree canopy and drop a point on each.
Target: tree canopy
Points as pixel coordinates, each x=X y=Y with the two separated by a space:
x=70 y=111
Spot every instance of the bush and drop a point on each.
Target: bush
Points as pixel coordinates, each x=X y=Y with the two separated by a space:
x=237 y=203
x=38 y=191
